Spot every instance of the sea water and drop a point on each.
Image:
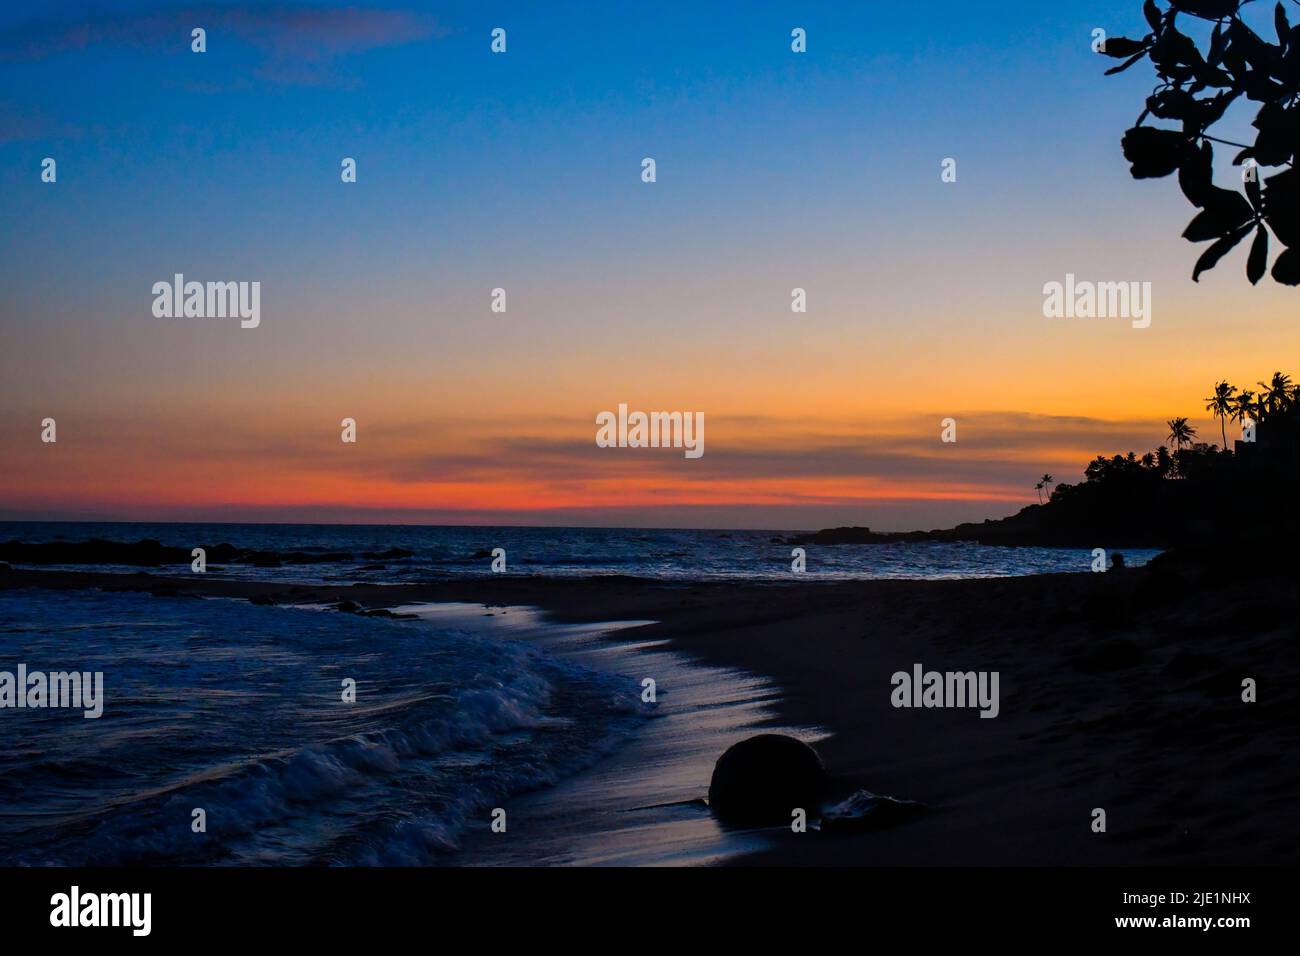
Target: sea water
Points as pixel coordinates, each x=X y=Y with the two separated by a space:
x=440 y=552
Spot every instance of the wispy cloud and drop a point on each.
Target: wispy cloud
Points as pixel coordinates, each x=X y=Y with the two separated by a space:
x=297 y=43
x=997 y=457
x=757 y=471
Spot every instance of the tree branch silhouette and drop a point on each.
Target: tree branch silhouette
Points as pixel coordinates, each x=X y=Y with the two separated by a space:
x=1194 y=94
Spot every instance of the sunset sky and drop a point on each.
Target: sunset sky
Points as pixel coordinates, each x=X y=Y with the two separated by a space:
x=522 y=171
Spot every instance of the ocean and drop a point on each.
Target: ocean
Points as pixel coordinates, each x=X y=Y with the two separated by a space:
x=449 y=551
x=237 y=711
x=220 y=710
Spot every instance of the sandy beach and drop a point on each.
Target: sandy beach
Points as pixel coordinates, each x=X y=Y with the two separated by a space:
x=1120 y=691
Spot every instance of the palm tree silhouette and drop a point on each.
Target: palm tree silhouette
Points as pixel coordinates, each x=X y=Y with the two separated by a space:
x=1244 y=406
x=1275 y=395
x=1180 y=432
x=1221 y=404
x=1044 y=482
x=1039 y=488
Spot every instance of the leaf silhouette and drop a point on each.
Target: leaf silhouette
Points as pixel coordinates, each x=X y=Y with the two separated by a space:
x=1282 y=206
x=1279 y=134
x=1195 y=91
x=1254 y=193
x=1211 y=256
x=1152 y=13
x=1196 y=174
x=1215 y=9
x=1153 y=152
x=1218 y=44
x=1172 y=104
x=1224 y=212
x=1120 y=47
x=1257 y=262
x=1287 y=268
x=1126 y=64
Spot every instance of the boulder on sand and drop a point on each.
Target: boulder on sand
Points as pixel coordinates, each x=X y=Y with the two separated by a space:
x=761 y=780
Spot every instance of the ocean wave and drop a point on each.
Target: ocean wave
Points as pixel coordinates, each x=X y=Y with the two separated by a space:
x=448 y=724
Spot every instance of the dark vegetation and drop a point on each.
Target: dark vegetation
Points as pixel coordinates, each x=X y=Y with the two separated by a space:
x=1193 y=496
x=1234 y=63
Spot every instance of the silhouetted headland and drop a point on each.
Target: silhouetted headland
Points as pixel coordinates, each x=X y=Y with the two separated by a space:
x=1195 y=495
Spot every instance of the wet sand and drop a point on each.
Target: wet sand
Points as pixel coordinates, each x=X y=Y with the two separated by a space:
x=1119 y=691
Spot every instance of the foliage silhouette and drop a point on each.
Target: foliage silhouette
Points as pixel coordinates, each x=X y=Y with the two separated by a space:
x=1221 y=405
x=1162 y=498
x=1181 y=433
x=1195 y=91
x=1165 y=497
x=1276 y=395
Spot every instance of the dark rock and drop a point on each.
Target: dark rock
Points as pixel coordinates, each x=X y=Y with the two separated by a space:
x=223 y=552
x=853 y=535
x=147 y=553
x=349 y=607
x=263 y=599
x=865 y=810
x=150 y=553
x=761 y=780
